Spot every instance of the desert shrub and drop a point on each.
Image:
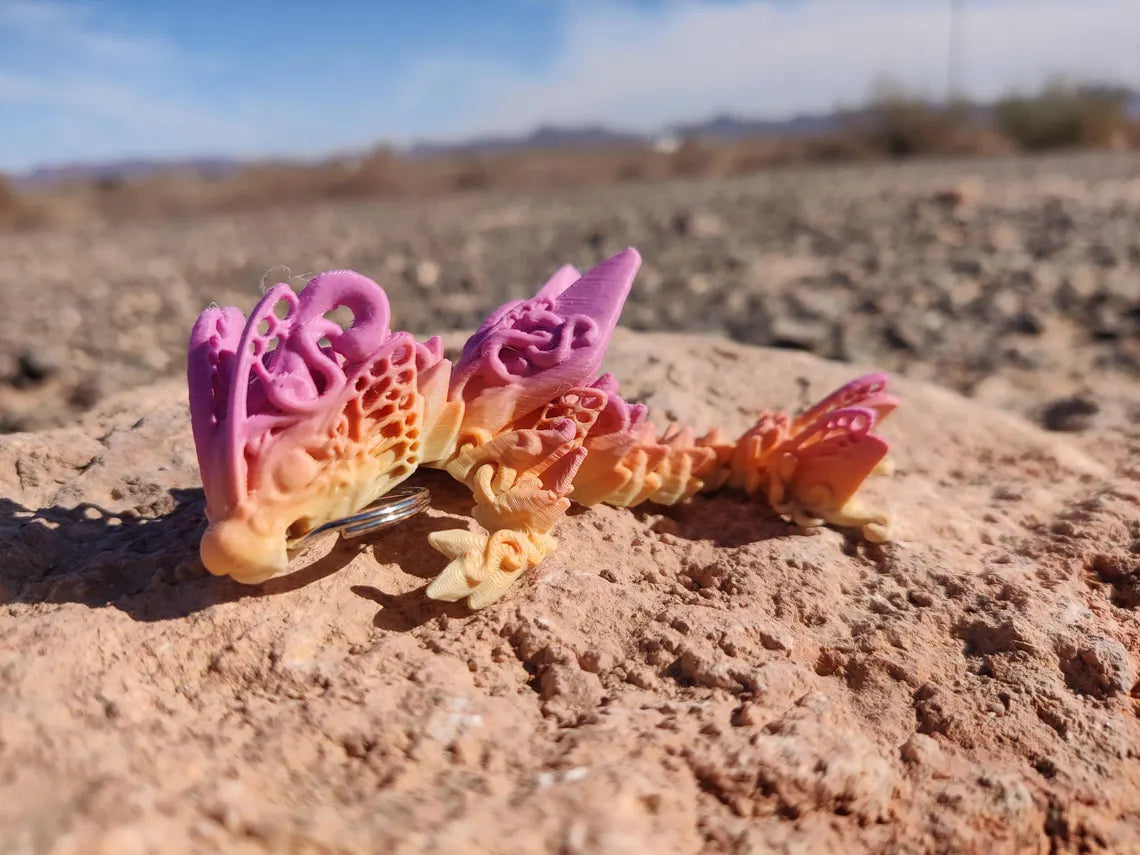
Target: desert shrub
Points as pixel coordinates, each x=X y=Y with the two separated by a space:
x=834 y=148
x=472 y=173
x=109 y=183
x=18 y=212
x=704 y=159
x=692 y=157
x=1064 y=115
x=9 y=202
x=900 y=123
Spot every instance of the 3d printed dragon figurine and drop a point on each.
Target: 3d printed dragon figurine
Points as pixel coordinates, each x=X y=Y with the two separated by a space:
x=298 y=421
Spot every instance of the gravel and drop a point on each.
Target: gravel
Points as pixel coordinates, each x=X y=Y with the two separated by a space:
x=1026 y=269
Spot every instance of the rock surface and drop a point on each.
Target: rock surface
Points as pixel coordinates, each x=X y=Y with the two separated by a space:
x=697 y=679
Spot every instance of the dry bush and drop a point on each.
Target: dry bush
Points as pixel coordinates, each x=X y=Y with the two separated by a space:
x=10 y=203
x=900 y=123
x=896 y=123
x=19 y=212
x=7 y=193
x=1065 y=115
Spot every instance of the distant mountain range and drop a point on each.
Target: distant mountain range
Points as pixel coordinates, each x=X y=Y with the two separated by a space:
x=545 y=137
x=212 y=167
x=733 y=127
x=722 y=127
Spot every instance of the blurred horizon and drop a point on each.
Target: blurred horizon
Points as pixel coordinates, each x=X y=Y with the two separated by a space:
x=87 y=83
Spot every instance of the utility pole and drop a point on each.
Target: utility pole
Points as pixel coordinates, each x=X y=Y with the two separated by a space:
x=954 y=58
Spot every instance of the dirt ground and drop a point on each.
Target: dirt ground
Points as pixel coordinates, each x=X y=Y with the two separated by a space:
x=974 y=275
x=697 y=679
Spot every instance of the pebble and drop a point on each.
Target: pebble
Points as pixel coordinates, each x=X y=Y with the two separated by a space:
x=1071 y=413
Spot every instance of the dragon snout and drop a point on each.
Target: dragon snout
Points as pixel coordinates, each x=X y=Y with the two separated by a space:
x=232 y=547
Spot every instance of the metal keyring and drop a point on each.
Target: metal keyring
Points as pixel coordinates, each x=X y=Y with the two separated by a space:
x=385 y=512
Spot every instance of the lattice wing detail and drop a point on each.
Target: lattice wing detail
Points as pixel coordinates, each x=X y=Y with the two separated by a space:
x=319 y=419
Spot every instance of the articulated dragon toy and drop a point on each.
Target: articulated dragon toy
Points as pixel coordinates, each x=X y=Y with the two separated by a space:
x=299 y=421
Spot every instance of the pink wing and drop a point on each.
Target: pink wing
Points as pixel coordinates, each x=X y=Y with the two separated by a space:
x=838 y=452
x=210 y=363
x=253 y=380
x=529 y=352
x=868 y=391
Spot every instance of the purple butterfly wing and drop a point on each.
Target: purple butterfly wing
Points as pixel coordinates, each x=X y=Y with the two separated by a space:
x=529 y=352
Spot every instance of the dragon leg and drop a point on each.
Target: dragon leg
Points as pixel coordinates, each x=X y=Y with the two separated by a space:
x=521 y=481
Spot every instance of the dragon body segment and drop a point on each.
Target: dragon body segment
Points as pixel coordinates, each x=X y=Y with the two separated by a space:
x=299 y=421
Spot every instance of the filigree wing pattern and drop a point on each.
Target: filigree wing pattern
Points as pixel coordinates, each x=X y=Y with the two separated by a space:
x=529 y=352
x=318 y=420
x=815 y=473
x=868 y=391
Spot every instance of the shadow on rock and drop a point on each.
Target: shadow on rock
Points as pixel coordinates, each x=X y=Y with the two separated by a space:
x=409 y=610
x=726 y=519
x=408 y=548
x=146 y=566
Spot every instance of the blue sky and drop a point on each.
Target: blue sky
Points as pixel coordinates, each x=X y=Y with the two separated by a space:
x=97 y=80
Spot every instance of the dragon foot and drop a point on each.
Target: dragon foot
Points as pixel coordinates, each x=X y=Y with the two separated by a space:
x=873 y=525
x=482 y=566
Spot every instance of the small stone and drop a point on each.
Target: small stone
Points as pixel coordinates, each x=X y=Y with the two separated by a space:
x=1065 y=528
x=1071 y=413
x=903 y=336
x=1098 y=667
x=699 y=285
x=427 y=274
x=922 y=599
x=1108 y=323
x=801 y=334
x=921 y=750
x=699 y=224
x=748 y=715
x=776 y=640
x=597 y=661
x=880 y=605
x=569 y=693
x=1004 y=237
x=36 y=366
x=1082 y=283
x=816 y=304
x=964 y=193
x=1007 y=303
x=1026 y=323
x=639 y=676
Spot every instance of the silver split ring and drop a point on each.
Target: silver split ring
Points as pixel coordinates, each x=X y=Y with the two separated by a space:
x=387 y=511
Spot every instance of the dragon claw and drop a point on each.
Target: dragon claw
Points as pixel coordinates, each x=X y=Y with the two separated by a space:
x=483 y=567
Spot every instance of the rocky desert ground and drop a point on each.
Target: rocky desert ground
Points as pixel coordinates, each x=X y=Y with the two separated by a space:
x=704 y=678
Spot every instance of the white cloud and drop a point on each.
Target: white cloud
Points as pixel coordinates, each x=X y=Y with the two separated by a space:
x=77 y=89
x=111 y=94
x=107 y=100
x=68 y=30
x=645 y=68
